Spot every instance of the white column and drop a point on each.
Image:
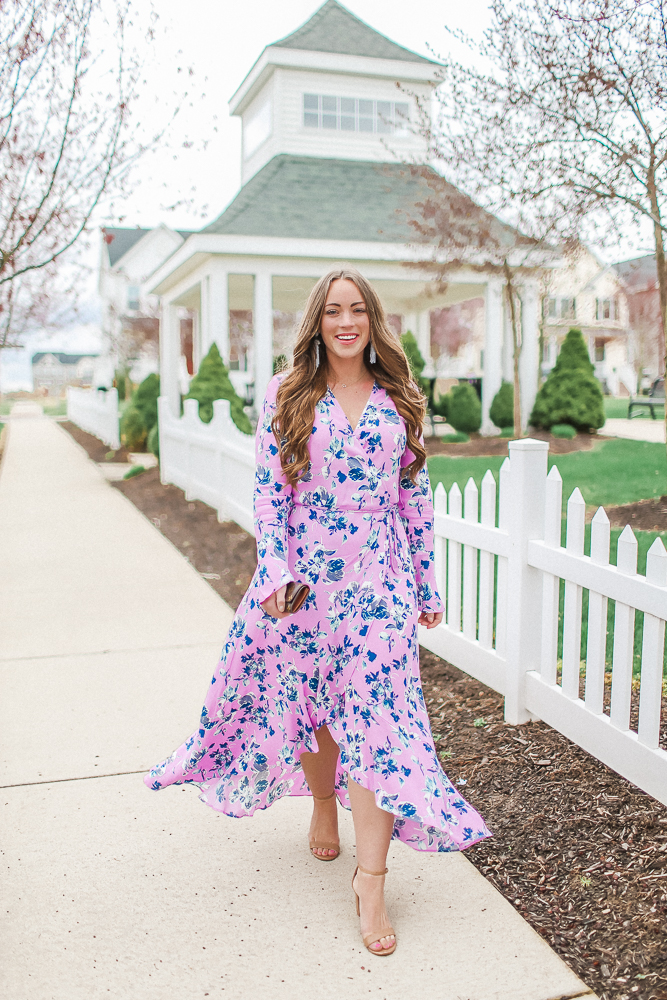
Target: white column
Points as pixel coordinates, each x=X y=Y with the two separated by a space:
x=170 y=352
x=530 y=349
x=410 y=323
x=423 y=334
x=493 y=348
x=218 y=310
x=262 y=318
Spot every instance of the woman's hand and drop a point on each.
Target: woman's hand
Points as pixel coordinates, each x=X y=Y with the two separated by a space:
x=430 y=618
x=275 y=604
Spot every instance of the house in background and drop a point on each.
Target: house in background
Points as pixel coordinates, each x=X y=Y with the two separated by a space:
x=52 y=372
x=130 y=316
x=639 y=278
x=591 y=296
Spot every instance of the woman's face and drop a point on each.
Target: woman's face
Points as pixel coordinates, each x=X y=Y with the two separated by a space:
x=345 y=327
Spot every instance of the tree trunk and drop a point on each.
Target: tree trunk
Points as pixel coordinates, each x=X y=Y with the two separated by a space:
x=661 y=266
x=516 y=345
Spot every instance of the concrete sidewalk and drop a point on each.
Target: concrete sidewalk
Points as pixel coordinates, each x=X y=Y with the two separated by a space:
x=108 y=641
x=639 y=429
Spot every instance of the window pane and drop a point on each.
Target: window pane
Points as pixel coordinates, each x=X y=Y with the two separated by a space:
x=329 y=104
x=606 y=314
x=310 y=120
x=365 y=124
x=310 y=102
x=347 y=105
x=384 y=126
x=384 y=108
x=329 y=121
x=365 y=107
x=551 y=309
x=402 y=111
x=347 y=123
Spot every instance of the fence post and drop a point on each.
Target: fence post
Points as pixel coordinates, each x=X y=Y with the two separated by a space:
x=525 y=522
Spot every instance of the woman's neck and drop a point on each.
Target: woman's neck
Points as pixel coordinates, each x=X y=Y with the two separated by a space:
x=344 y=370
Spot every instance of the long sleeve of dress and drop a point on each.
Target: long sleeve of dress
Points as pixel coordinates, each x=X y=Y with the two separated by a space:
x=272 y=504
x=416 y=510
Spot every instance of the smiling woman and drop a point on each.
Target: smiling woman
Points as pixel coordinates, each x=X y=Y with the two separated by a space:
x=328 y=700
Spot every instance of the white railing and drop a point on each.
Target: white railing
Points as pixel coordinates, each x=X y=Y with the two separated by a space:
x=212 y=462
x=519 y=658
x=95 y=411
x=499 y=564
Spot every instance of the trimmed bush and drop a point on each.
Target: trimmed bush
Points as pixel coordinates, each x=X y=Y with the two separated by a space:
x=415 y=361
x=280 y=364
x=153 y=441
x=140 y=417
x=133 y=431
x=465 y=408
x=502 y=407
x=563 y=431
x=120 y=381
x=136 y=470
x=212 y=382
x=571 y=394
x=507 y=432
x=458 y=438
x=441 y=407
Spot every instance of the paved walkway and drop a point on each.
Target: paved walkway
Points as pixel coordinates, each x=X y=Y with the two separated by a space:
x=108 y=640
x=638 y=429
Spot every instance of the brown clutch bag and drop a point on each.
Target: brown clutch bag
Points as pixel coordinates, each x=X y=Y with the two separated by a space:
x=295 y=595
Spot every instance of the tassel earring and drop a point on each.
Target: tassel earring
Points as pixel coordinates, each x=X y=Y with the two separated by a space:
x=317 y=352
x=372 y=356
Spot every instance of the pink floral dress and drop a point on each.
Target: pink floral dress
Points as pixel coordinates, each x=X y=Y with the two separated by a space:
x=360 y=533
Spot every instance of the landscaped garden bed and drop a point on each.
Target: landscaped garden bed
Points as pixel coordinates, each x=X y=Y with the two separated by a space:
x=579 y=851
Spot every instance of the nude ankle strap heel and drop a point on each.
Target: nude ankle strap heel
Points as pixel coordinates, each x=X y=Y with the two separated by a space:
x=374 y=936
x=319 y=844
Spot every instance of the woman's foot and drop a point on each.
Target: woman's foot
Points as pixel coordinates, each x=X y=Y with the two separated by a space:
x=373 y=912
x=324 y=828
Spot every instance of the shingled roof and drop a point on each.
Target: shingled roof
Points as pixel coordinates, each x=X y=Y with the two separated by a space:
x=119 y=241
x=333 y=28
x=305 y=197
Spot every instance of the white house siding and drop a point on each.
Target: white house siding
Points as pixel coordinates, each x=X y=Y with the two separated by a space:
x=285 y=89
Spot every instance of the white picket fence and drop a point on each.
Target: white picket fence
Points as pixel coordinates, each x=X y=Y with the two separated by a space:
x=499 y=564
x=213 y=462
x=95 y=411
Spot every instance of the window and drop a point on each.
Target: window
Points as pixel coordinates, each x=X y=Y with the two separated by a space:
x=561 y=309
x=606 y=309
x=133 y=297
x=355 y=114
x=599 y=349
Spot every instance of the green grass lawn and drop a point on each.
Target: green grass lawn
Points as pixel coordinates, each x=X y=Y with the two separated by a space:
x=613 y=472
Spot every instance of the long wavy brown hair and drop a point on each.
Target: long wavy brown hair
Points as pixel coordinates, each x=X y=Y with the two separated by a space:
x=305 y=384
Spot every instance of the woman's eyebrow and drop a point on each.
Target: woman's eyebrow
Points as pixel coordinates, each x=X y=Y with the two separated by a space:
x=337 y=304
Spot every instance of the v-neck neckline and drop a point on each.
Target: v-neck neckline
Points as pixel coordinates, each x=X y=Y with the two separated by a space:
x=363 y=412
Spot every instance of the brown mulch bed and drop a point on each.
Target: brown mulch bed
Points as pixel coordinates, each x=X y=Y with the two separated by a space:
x=224 y=551
x=645 y=515
x=479 y=446
x=96 y=449
x=579 y=851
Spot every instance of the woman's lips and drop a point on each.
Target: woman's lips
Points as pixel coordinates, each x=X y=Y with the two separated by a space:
x=347 y=338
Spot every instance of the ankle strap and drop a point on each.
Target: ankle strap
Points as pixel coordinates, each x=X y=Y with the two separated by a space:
x=367 y=872
x=324 y=798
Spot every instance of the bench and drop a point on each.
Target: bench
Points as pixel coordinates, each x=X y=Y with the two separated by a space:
x=655 y=398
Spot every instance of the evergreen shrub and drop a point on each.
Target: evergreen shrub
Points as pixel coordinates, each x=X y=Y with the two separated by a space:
x=153 y=441
x=563 y=431
x=465 y=408
x=441 y=407
x=140 y=417
x=502 y=407
x=458 y=438
x=280 y=364
x=136 y=470
x=212 y=382
x=571 y=394
x=415 y=361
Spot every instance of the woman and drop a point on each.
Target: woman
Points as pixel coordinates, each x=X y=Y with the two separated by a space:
x=328 y=700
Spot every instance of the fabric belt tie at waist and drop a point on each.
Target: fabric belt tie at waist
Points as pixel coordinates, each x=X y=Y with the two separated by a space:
x=392 y=538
